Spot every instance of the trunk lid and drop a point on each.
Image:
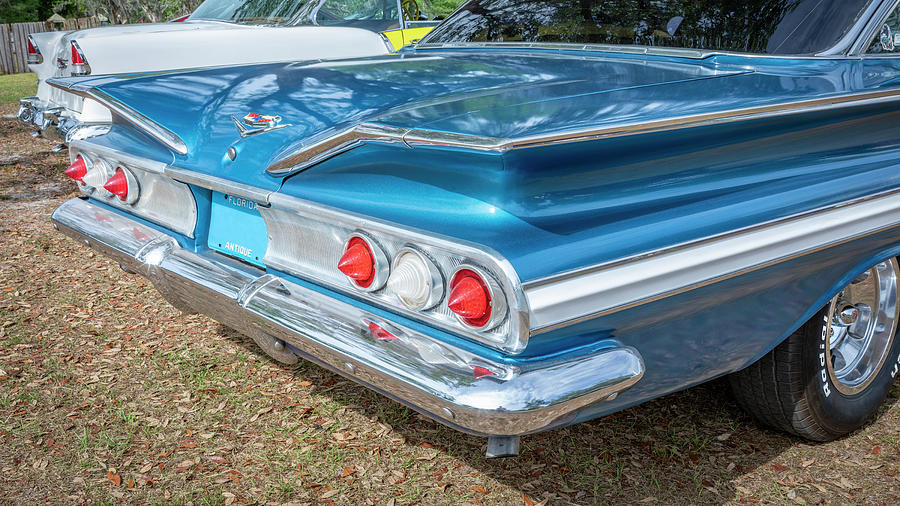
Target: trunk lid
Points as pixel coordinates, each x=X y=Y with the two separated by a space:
x=456 y=91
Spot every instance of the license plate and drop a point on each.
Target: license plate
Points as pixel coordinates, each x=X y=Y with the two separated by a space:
x=237 y=229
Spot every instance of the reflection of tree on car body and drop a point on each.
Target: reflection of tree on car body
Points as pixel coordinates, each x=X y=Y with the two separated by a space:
x=767 y=26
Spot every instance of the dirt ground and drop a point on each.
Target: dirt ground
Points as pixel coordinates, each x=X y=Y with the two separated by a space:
x=108 y=394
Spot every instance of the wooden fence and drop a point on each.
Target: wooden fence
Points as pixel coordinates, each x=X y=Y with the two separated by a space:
x=14 y=47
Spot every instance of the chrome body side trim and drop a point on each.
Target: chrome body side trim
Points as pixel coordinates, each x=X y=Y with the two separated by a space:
x=126 y=158
x=416 y=369
x=218 y=184
x=372 y=132
x=153 y=129
x=568 y=46
x=387 y=43
x=611 y=287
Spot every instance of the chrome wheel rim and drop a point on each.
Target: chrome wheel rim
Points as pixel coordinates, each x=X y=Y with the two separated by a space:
x=863 y=321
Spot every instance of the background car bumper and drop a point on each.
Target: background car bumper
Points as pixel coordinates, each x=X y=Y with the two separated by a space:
x=31 y=113
x=410 y=366
x=55 y=123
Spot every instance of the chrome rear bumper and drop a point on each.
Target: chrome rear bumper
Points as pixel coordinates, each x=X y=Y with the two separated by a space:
x=416 y=369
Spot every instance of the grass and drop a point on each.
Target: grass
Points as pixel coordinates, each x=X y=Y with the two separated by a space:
x=15 y=86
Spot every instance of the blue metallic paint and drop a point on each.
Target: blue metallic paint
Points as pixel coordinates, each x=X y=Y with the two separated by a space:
x=552 y=209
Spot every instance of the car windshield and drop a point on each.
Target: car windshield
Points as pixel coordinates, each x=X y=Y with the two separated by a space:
x=753 y=26
x=376 y=15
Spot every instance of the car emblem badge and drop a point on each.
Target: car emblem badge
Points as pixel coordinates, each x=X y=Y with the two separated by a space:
x=256 y=120
x=254 y=123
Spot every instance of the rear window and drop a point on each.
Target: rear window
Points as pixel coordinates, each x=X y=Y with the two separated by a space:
x=752 y=26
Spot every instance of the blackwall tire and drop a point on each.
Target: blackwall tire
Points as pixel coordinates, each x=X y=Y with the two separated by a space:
x=833 y=373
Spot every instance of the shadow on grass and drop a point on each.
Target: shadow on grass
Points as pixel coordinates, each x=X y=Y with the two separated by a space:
x=687 y=447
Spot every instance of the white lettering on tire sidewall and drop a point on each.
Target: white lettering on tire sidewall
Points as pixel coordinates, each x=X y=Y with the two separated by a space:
x=823 y=357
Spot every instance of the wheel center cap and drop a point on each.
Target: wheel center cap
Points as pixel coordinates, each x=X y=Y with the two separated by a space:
x=849 y=315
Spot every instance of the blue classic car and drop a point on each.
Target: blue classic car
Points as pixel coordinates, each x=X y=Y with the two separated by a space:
x=545 y=212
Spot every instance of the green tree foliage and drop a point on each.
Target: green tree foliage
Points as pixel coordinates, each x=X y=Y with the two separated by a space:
x=126 y=11
x=133 y=11
x=439 y=9
x=20 y=11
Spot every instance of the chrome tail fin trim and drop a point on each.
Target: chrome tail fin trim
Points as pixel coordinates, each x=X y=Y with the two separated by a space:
x=155 y=130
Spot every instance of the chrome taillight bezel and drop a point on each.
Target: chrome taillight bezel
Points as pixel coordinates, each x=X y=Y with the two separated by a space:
x=498 y=299
x=79 y=69
x=382 y=265
x=132 y=184
x=35 y=58
x=172 y=205
x=97 y=173
x=436 y=293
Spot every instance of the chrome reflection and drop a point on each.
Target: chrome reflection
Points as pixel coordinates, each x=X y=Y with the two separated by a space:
x=436 y=353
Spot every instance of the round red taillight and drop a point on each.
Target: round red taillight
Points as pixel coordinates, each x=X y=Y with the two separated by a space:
x=118 y=185
x=77 y=170
x=470 y=298
x=358 y=262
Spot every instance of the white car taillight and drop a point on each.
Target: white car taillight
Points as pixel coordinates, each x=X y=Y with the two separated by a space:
x=415 y=280
x=80 y=66
x=34 y=53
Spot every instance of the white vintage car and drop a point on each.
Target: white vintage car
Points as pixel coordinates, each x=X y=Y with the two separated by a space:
x=219 y=32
